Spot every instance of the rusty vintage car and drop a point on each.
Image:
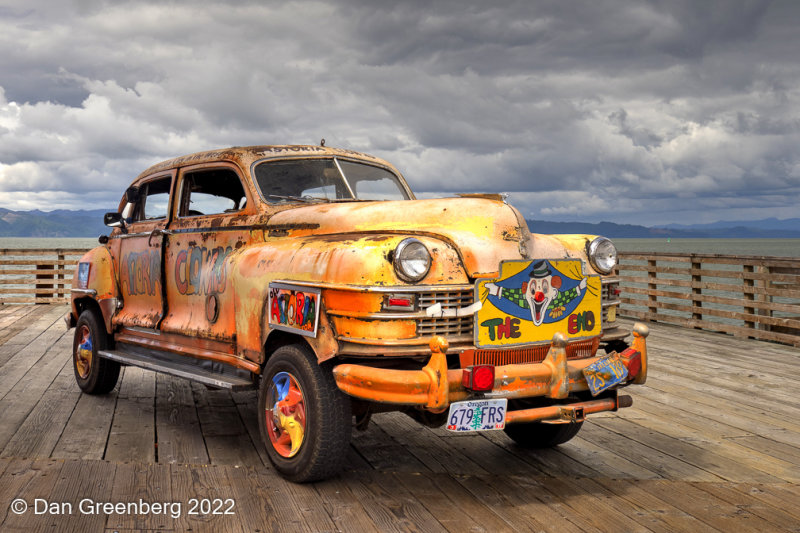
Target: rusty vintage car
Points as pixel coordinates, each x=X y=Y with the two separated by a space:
x=314 y=275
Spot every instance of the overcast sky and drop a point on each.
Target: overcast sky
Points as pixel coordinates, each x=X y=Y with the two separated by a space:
x=632 y=112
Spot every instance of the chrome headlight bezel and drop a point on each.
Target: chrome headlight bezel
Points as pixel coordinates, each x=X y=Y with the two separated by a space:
x=401 y=260
x=602 y=255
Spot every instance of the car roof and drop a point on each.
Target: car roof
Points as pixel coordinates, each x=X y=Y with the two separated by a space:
x=244 y=156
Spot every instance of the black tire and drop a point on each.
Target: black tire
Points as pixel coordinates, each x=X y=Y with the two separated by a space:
x=323 y=411
x=540 y=435
x=94 y=374
x=618 y=346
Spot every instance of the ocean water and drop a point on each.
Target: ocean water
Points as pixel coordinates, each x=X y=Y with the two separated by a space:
x=773 y=247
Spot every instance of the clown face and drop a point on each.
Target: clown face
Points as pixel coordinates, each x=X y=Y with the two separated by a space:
x=539 y=292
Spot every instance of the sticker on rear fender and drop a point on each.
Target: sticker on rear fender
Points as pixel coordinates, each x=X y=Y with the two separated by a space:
x=477 y=415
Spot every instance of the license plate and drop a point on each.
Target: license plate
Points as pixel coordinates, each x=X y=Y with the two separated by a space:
x=605 y=373
x=477 y=415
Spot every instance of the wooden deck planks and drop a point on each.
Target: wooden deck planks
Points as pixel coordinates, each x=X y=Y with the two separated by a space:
x=712 y=443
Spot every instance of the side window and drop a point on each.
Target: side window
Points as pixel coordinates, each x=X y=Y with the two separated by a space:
x=210 y=192
x=153 y=200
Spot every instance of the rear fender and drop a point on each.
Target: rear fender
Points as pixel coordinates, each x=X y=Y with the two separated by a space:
x=99 y=286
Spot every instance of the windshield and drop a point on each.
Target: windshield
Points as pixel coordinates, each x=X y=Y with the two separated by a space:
x=326 y=180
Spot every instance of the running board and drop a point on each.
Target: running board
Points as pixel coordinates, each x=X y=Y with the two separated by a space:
x=190 y=372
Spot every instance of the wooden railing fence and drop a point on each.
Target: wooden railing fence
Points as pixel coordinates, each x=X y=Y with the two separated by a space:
x=37 y=275
x=746 y=296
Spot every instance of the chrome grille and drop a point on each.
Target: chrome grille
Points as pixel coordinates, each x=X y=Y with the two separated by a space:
x=607 y=296
x=449 y=326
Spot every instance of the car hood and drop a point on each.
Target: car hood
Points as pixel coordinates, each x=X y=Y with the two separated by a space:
x=483 y=231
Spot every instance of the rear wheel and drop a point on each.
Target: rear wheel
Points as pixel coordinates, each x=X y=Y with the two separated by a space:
x=540 y=435
x=305 y=420
x=94 y=374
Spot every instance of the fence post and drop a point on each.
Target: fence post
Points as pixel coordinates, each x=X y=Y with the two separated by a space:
x=43 y=289
x=697 y=290
x=764 y=284
x=61 y=277
x=749 y=295
x=652 y=286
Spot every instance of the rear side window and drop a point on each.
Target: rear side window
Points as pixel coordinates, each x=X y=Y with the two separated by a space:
x=210 y=192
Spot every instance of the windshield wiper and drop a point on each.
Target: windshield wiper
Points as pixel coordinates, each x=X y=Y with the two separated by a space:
x=306 y=199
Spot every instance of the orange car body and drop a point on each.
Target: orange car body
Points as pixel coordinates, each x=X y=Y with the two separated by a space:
x=225 y=287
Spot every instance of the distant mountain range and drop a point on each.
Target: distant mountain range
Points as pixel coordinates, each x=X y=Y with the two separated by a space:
x=751 y=229
x=59 y=223
x=64 y=223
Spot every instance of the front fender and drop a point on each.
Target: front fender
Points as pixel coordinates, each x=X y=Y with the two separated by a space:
x=574 y=246
x=353 y=260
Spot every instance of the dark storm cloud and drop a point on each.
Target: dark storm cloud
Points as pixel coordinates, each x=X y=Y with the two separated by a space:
x=628 y=111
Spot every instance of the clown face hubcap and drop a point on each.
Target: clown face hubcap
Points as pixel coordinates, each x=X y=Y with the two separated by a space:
x=83 y=354
x=285 y=414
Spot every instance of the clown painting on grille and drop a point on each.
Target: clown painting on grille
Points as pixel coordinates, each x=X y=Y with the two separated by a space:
x=532 y=300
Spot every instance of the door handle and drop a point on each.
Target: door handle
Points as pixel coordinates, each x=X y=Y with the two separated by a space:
x=158 y=232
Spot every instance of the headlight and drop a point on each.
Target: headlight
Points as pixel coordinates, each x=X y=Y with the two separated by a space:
x=411 y=260
x=602 y=254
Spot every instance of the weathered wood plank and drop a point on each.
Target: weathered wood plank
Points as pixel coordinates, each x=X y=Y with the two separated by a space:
x=87 y=430
x=79 y=480
x=132 y=436
x=436 y=454
x=180 y=439
x=701 y=457
x=383 y=453
x=25 y=394
x=20 y=352
x=777 y=518
x=26 y=479
x=343 y=507
x=41 y=430
x=454 y=506
x=390 y=505
x=660 y=461
x=134 y=482
x=720 y=439
x=524 y=506
x=200 y=483
x=226 y=437
x=294 y=507
x=596 y=504
x=710 y=510
x=675 y=519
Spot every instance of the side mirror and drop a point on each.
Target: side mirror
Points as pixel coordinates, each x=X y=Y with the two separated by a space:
x=113 y=220
x=132 y=195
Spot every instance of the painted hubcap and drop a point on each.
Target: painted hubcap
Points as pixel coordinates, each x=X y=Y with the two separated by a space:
x=285 y=414
x=83 y=355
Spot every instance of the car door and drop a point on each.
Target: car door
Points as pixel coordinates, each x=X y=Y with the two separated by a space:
x=208 y=226
x=141 y=254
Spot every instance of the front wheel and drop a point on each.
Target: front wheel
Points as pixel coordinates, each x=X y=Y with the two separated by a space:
x=94 y=374
x=540 y=435
x=305 y=420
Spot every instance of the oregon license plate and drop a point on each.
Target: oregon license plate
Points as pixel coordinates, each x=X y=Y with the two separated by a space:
x=477 y=415
x=605 y=373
